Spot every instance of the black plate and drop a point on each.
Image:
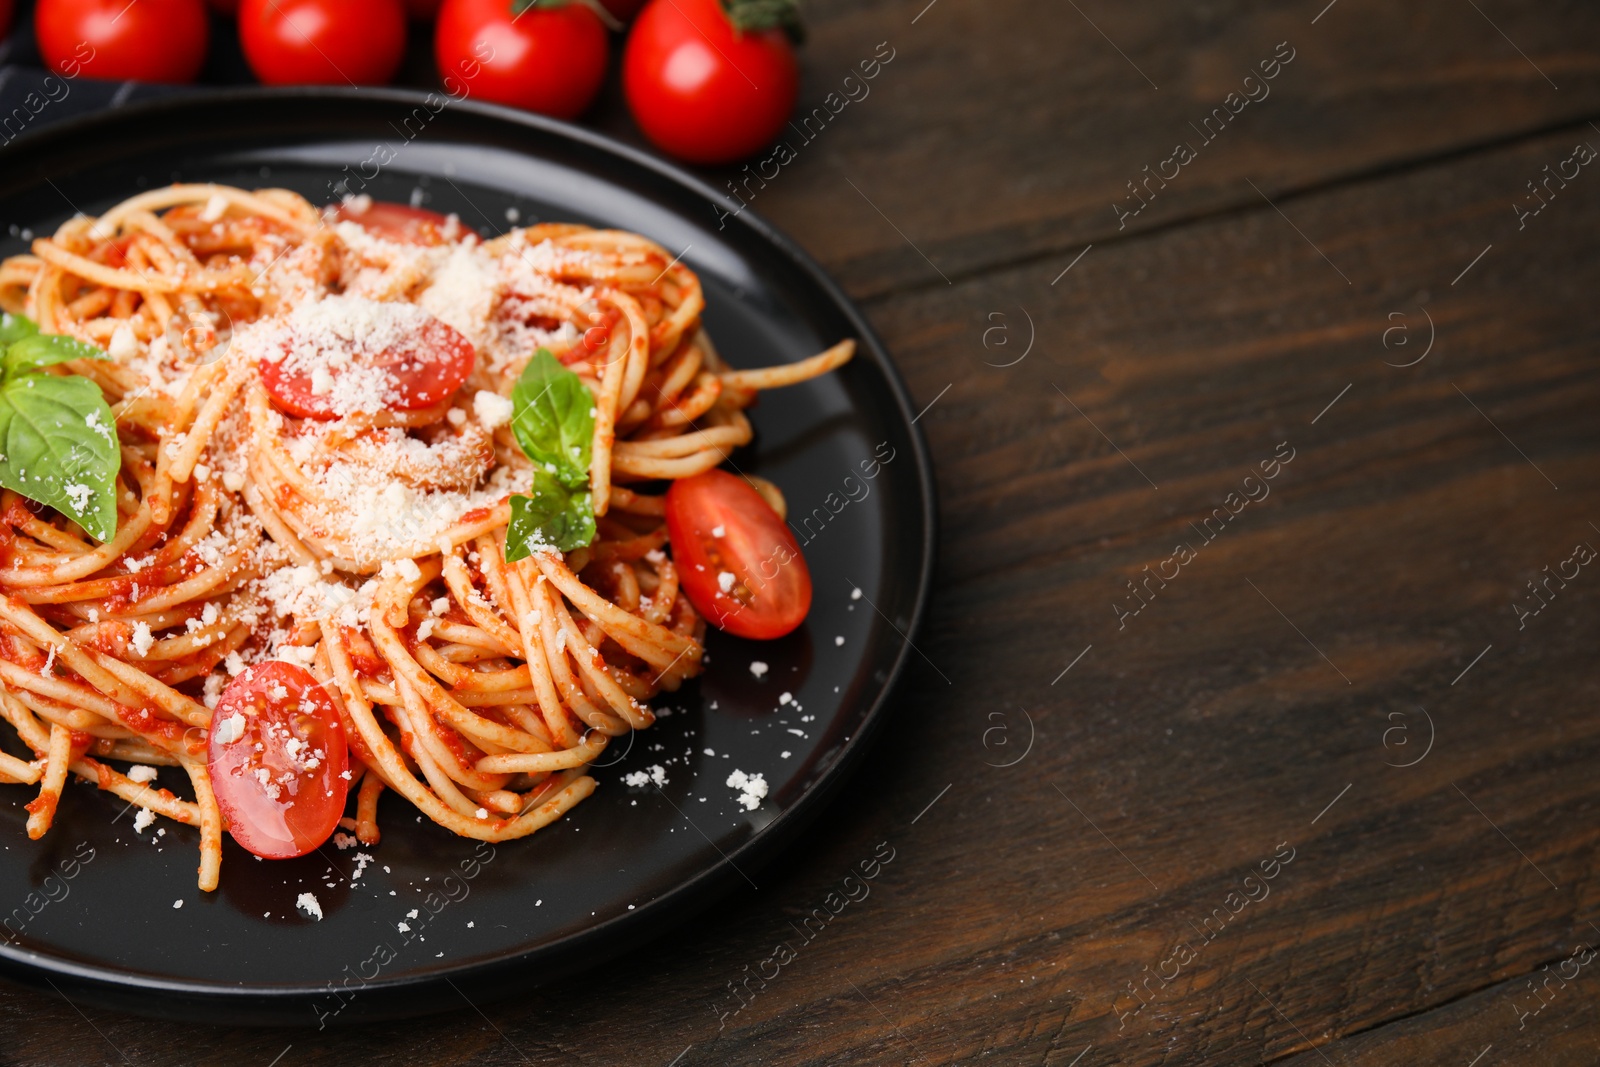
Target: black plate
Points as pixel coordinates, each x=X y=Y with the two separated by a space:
x=628 y=862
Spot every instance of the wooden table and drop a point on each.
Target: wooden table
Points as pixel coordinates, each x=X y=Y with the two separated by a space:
x=1238 y=734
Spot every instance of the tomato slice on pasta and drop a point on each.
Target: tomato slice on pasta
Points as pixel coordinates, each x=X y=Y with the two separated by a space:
x=278 y=760
x=738 y=563
x=404 y=225
x=424 y=370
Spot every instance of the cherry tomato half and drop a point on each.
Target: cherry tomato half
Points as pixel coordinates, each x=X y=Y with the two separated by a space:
x=396 y=222
x=277 y=758
x=151 y=41
x=422 y=371
x=547 y=59
x=703 y=90
x=323 y=42
x=738 y=562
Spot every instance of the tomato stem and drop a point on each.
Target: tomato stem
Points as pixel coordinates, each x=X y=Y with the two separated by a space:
x=751 y=16
x=521 y=7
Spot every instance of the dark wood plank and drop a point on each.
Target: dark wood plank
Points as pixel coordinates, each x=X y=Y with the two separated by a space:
x=1493 y=1027
x=1397 y=542
x=1006 y=131
x=1212 y=732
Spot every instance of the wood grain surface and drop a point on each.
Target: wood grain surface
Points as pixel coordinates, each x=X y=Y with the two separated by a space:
x=1236 y=737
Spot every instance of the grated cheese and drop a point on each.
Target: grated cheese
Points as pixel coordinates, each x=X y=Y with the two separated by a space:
x=492 y=409
x=143 y=639
x=654 y=773
x=124 y=345
x=751 y=788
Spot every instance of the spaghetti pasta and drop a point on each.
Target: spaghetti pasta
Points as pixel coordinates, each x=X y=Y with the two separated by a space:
x=371 y=548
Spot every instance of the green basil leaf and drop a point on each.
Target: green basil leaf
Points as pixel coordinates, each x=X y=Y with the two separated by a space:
x=58 y=446
x=553 y=419
x=555 y=516
x=42 y=349
x=16 y=327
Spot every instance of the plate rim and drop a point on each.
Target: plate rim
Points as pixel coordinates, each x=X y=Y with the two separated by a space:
x=695 y=893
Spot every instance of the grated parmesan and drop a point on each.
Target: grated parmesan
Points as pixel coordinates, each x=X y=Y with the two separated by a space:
x=492 y=409
x=124 y=345
x=751 y=788
x=230 y=729
x=638 y=779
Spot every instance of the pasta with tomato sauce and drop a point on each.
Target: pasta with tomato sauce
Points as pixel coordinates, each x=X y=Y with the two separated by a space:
x=378 y=507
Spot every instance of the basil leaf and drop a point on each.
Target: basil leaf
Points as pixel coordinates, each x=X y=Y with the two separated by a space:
x=42 y=349
x=16 y=327
x=553 y=419
x=555 y=516
x=58 y=446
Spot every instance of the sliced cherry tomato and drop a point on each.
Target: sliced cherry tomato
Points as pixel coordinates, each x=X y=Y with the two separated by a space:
x=548 y=57
x=396 y=222
x=153 y=41
x=703 y=89
x=422 y=372
x=596 y=337
x=737 y=561
x=277 y=758
x=323 y=42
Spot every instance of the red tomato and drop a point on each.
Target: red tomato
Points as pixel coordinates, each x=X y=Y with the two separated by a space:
x=396 y=222
x=702 y=89
x=720 y=526
x=547 y=59
x=277 y=758
x=151 y=41
x=323 y=42
x=423 y=372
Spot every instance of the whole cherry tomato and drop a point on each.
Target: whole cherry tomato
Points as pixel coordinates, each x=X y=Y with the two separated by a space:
x=278 y=762
x=323 y=42
x=711 y=85
x=739 y=564
x=544 y=55
x=150 y=41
